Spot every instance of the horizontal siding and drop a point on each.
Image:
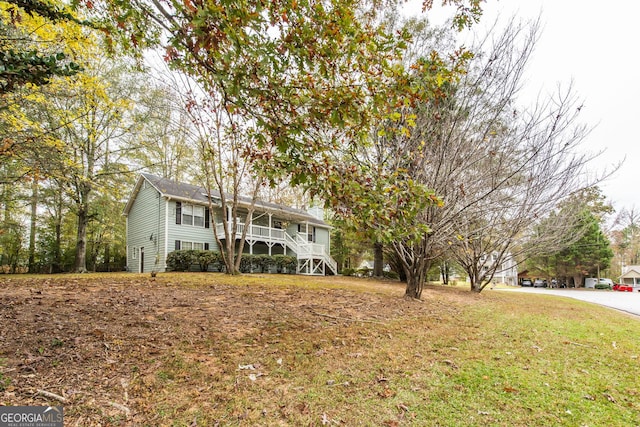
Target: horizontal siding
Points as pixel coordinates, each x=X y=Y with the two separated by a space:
x=322 y=238
x=188 y=233
x=143 y=231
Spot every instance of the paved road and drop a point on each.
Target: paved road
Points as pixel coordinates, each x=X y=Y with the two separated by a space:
x=625 y=301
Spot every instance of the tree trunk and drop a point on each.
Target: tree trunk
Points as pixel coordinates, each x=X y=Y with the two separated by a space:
x=80 y=265
x=378 y=259
x=415 y=282
x=32 y=228
x=107 y=257
x=578 y=281
x=444 y=269
x=57 y=244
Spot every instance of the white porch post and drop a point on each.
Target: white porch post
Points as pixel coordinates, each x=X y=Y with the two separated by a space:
x=250 y=233
x=270 y=235
x=166 y=233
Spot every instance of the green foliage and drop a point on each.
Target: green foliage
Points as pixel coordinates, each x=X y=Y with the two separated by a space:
x=24 y=59
x=186 y=260
x=19 y=68
x=206 y=258
x=391 y=275
x=582 y=257
x=348 y=272
x=285 y=263
x=181 y=260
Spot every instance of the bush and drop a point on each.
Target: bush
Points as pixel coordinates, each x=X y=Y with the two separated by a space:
x=184 y=260
x=181 y=260
x=285 y=263
x=348 y=271
x=391 y=275
x=263 y=263
x=204 y=258
x=246 y=263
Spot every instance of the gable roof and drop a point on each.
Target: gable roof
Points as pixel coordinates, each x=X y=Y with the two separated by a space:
x=631 y=271
x=198 y=195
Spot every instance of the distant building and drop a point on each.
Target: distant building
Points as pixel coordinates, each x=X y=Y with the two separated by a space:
x=631 y=276
x=507 y=271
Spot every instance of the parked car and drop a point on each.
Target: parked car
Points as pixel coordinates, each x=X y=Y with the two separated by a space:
x=622 y=287
x=539 y=283
x=526 y=282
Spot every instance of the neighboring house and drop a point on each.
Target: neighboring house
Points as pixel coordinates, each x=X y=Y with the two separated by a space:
x=506 y=273
x=631 y=275
x=164 y=215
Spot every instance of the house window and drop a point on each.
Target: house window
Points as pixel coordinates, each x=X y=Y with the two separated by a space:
x=310 y=232
x=191 y=215
x=186 y=246
x=133 y=253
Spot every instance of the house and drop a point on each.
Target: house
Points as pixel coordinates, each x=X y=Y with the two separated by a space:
x=631 y=276
x=164 y=215
x=506 y=272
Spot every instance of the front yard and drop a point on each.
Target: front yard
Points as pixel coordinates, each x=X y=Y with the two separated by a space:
x=191 y=349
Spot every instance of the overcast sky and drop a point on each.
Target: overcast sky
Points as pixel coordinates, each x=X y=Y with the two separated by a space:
x=594 y=46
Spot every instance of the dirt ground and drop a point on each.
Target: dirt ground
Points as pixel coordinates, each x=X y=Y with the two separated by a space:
x=95 y=344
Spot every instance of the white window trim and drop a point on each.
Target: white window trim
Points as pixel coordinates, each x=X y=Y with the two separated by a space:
x=192 y=207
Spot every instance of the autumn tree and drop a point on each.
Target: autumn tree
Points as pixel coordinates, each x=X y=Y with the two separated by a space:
x=494 y=166
x=626 y=237
x=29 y=51
x=519 y=164
x=89 y=118
x=163 y=144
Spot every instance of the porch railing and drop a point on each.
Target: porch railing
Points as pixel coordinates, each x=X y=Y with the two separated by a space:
x=297 y=243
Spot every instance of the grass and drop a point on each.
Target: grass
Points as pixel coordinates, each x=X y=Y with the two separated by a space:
x=291 y=350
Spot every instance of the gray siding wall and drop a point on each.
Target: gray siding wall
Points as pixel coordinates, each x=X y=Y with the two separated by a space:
x=188 y=233
x=145 y=231
x=322 y=238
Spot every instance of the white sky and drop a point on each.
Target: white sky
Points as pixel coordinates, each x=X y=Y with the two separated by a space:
x=593 y=45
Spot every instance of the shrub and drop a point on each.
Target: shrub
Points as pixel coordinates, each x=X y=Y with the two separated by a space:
x=391 y=275
x=204 y=258
x=365 y=272
x=181 y=260
x=246 y=263
x=348 y=271
x=263 y=263
x=184 y=260
x=285 y=263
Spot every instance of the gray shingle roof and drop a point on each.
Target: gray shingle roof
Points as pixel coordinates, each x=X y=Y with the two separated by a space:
x=198 y=195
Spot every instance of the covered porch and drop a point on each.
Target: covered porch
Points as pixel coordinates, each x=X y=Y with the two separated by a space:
x=313 y=258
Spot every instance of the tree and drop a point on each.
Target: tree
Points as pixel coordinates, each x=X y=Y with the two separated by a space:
x=163 y=143
x=587 y=256
x=90 y=118
x=577 y=246
x=28 y=52
x=495 y=167
x=626 y=236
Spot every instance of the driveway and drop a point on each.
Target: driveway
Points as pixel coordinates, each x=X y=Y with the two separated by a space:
x=625 y=301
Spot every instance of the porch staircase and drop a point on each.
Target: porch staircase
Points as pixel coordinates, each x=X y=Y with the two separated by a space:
x=313 y=259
